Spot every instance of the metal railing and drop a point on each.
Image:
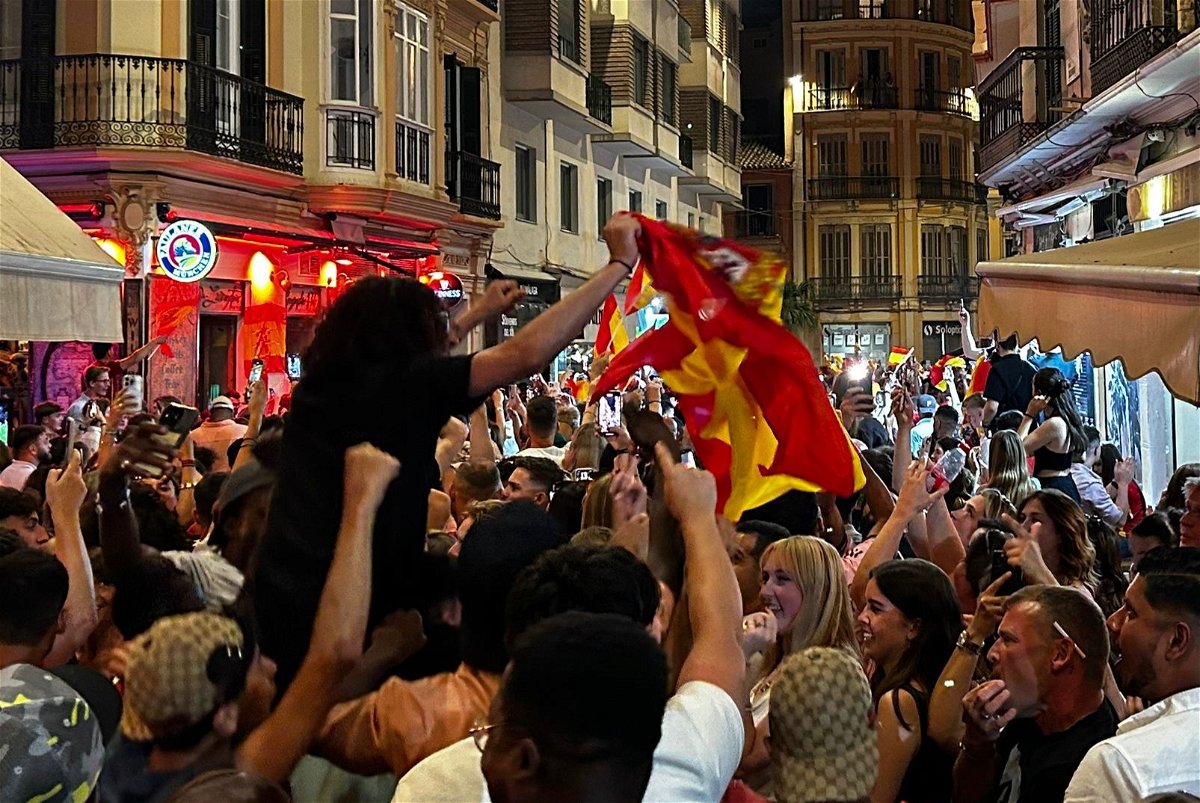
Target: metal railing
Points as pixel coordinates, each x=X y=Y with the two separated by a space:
x=947 y=288
x=856 y=290
x=943 y=12
x=866 y=95
x=935 y=188
x=755 y=223
x=685 y=150
x=349 y=138
x=117 y=100
x=599 y=99
x=1003 y=124
x=474 y=182
x=412 y=152
x=494 y=5
x=831 y=188
x=1126 y=34
x=954 y=101
x=568 y=48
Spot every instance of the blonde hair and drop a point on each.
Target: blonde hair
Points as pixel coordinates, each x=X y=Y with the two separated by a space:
x=826 y=617
x=588 y=446
x=597 y=503
x=1008 y=469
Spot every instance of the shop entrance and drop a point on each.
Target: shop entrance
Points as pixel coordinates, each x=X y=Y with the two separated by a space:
x=218 y=356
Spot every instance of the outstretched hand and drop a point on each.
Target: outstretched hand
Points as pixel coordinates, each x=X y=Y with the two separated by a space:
x=688 y=492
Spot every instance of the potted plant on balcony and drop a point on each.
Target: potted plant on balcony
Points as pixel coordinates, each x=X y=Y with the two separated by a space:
x=800 y=314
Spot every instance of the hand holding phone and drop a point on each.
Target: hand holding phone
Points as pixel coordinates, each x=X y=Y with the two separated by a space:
x=134 y=387
x=608 y=413
x=256 y=370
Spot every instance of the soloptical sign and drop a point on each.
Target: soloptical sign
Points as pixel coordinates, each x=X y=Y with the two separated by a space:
x=446 y=286
x=187 y=251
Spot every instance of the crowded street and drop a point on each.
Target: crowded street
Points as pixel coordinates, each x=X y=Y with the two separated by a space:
x=735 y=401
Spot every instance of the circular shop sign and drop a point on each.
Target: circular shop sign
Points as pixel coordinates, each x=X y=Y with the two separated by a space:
x=187 y=250
x=446 y=286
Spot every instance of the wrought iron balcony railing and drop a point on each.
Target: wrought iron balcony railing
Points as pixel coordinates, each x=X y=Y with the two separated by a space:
x=599 y=100
x=102 y=100
x=1128 y=33
x=349 y=138
x=947 y=288
x=756 y=223
x=863 y=95
x=833 y=188
x=834 y=291
x=475 y=183
x=934 y=188
x=954 y=101
x=1004 y=124
x=685 y=150
x=412 y=152
x=568 y=48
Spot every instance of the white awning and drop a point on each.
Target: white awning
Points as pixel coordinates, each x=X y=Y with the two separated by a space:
x=55 y=282
x=1134 y=298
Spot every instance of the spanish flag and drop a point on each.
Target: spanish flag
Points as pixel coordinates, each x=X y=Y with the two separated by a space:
x=937 y=374
x=979 y=375
x=612 y=335
x=756 y=410
x=640 y=292
x=899 y=356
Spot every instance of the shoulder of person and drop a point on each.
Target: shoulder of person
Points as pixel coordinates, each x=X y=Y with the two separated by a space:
x=901 y=700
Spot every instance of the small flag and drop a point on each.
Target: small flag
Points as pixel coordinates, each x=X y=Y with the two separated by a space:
x=612 y=336
x=899 y=356
x=937 y=374
x=979 y=376
x=640 y=292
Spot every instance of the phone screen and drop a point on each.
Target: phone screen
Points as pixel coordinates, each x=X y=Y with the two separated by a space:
x=5 y=404
x=256 y=370
x=608 y=414
x=179 y=419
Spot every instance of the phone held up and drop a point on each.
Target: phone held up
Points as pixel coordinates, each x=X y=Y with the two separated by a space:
x=256 y=370
x=179 y=419
x=608 y=414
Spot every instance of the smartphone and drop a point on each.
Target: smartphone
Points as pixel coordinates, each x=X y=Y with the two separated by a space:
x=135 y=383
x=256 y=370
x=687 y=459
x=584 y=474
x=179 y=419
x=72 y=434
x=608 y=413
x=996 y=540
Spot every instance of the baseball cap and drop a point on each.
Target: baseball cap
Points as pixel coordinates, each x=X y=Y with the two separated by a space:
x=221 y=401
x=822 y=742
x=926 y=404
x=53 y=749
x=178 y=672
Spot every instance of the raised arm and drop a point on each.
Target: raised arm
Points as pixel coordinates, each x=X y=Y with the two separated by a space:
x=970 y=350
x=256 y=406
x=143 y=353
x=65 y=492
x=537 y=342
x=274 y=748
x=120 y=541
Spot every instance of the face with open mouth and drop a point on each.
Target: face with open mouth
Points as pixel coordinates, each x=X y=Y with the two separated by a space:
x=781 y=594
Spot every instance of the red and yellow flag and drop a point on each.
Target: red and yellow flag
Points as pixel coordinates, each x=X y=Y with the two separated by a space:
x=898 y=356
x=640 y=292
x=756 y=410
x=937 y=374
x=979 y=375
x=612 y=336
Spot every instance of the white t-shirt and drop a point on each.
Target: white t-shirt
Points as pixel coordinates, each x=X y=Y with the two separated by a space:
x=701 y=745
x=1156 y=750
x=555 y=453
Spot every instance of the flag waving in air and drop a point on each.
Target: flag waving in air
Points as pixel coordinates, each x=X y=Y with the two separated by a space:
x=938 y=373
x=612 y=336
x=756 y=410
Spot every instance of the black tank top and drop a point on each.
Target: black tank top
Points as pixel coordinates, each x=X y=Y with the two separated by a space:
x=929 y=777
x=1046 y=460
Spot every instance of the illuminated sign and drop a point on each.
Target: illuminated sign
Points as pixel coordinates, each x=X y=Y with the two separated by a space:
x=187 y=251
x=446 y=286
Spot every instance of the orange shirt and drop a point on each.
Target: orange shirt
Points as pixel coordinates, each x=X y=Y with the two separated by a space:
x=405 y=721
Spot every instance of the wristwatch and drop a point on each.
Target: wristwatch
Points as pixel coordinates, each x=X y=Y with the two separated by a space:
x=964 y=643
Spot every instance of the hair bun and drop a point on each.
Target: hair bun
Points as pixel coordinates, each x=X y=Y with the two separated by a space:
x=1062 y=385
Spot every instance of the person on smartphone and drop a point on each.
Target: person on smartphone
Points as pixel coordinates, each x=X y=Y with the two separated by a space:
x=97 y=385
x=856 y=407
x=219 y=431
x=389 y=339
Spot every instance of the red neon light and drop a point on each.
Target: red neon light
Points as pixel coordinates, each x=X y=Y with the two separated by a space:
x=93 y=209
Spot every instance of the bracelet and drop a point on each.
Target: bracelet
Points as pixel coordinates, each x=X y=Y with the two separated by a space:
x=248 y=442
x=187 y=486
x=622 y=263
x=187 y=463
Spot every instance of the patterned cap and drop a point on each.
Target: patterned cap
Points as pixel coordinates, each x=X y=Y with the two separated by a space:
x=822 y=742
x=50 y=743
x=168 y=682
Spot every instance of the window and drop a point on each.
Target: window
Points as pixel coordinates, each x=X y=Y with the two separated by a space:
x=635 y=200
x=876 y=155
x=931 y=157
x=875 y=251
x=641 y=72
x=831 y=156
x=350 y=32
x=714 y=125
x=669 y=108
x=713 y=18
x=526 y=165
x=834 y=243
x=10 y=36
x=733 y=136
x=228 y=37
x=568 y=197
x=956 y=249
x=981 y=245
x=660 y=210
x=568 y=29
x=603 y=204
x=954 y=155
x=931 y=251
x=691 y=220
x=830 y=9
x=412 y=66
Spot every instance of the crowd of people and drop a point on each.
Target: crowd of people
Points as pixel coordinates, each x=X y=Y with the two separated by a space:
x=480 y=593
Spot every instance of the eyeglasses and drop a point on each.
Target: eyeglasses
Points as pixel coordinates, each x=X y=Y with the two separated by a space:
x=480 y=732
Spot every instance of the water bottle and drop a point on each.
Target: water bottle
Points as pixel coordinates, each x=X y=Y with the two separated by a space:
x=946 y=470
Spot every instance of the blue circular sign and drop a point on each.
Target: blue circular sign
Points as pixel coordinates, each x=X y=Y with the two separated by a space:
x=187 y=250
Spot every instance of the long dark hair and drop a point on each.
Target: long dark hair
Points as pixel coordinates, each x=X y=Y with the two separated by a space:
x=922 y=592
x=378 y=325
x=1077 y=556
x=1109 y=455
x=1110 y=590
x=1051 y=383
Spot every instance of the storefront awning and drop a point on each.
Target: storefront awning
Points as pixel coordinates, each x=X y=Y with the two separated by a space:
x=55 y=282
x=1135 y=298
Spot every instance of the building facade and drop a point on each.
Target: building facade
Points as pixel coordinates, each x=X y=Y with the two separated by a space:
x=1088 y=131
x=607 y=105
x=318 y=142
x=880 y=127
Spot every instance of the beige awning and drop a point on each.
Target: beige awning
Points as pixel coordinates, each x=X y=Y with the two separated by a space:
x=55 y=282
x=1134 y=298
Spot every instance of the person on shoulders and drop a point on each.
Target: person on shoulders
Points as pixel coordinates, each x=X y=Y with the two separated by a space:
x=1009 y=381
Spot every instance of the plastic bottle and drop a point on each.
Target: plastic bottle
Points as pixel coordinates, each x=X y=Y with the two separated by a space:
x=946 y=470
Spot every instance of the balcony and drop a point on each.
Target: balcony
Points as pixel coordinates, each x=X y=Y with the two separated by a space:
x=349 y=138
x=475 y=183
x=856 y=291
x=1126 y=34
x=599 y=100
x=934 y=188
x=104 y=100
x=870 y=95
x=1028 y=74
x=843 y=188
x=412 y=152
x=944 y=289
x=750 y=223
x=952 y=101
x=685 y=150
